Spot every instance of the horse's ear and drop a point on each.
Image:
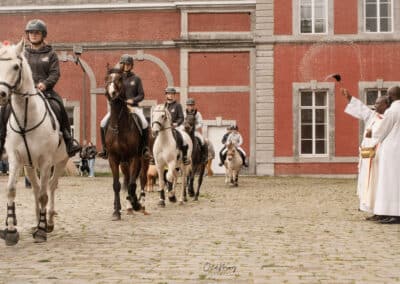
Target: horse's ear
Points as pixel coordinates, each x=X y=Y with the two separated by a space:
x=165 y=105
x=20 y=47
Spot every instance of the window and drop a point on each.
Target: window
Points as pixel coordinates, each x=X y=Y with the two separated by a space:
x=372 y=94
x=313 y=16
x=313 y=134
x=378 y=15
x=70 y=113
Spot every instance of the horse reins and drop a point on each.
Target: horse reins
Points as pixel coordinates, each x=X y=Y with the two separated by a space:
x=19 y=78
x=159 y=123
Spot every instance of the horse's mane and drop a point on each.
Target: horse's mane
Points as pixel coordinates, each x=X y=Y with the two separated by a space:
x=114 y=70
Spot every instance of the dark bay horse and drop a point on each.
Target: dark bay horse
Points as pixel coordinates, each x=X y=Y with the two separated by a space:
x=199 y=158
x=124 y=146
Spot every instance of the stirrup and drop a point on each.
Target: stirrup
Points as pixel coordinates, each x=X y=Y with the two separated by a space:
x=103 y=154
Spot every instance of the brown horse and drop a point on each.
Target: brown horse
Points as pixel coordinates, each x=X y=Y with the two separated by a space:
x=199 y=158
x=124 y=146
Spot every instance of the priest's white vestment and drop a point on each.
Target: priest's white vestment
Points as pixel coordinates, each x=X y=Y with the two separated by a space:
x=367 y=167
x=387 y=199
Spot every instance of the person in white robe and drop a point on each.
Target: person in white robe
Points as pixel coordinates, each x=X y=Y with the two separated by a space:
x=367 y=167
x=387 y=199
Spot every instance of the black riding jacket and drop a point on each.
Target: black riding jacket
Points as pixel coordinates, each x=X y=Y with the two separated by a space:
x=176 y=113
x=133 y=87
x=44 y=64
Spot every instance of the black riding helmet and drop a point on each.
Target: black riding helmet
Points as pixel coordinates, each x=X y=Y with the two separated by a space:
x=126 y=59
x=36 y=25
x=190 y=102
x=170 y=90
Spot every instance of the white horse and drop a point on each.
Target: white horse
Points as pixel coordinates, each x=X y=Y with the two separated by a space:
x=233 y=165
x=33 y=140
x=167 y=155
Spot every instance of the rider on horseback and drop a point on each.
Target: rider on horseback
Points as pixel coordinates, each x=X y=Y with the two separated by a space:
x=236 y=139
x=135 y=94
x=46 y=72
x=177 y=117
x=191 y=109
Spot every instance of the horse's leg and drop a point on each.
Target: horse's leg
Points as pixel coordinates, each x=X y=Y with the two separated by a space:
x=237 y=178
x=226 y=175
x=125 y=181
x=171 y=177
x=143 y=182
x=161 y=184
x=134 y=169
x=185 y=174
x=40 y=234
x=190 y=185
x=10 y=234
x=33 y=178
x=200 y=181
x=53 y=184
x=114 y=165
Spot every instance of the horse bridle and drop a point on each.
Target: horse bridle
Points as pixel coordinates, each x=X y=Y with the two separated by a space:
x=162 y=128
x=12 y=88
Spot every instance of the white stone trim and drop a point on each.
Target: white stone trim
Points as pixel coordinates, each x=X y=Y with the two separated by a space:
x=294 y=160
x=77 y=117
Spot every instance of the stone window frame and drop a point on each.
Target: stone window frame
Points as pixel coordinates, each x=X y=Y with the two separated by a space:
x=395 y=19
x=296 y=25
x=313 y=85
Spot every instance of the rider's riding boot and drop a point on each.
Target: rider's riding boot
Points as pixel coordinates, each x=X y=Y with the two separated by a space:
x=103 y=154
x=204 y=151
x=184 y=155
x=73 y=146
x=244 y=160
x=222 y=158
x=146 y=150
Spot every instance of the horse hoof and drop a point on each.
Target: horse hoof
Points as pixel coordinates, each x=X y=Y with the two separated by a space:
x=50 y=228
x=129 y=211
x=116 y=216
x=181 y=203
x=185 y=199
x=172 y=199
x=196 y=198
x=191 y=193
x=161 y=203
x=40 y=235
x=10 y=237
x=137 y=207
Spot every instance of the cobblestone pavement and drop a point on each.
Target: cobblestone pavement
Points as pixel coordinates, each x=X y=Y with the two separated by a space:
x=269 y=230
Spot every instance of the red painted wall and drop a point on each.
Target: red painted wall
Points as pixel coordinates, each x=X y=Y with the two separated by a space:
x=97 y=27
x=315 y=168
x=221 y=22
x=346 y=17
x=219 y=68
x=283 y=17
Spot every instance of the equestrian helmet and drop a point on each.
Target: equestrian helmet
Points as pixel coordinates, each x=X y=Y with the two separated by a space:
x=126 y=59
x=190 y=102
x=36 y=25
x=170 y=90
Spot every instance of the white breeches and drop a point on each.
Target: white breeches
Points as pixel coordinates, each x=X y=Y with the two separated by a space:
x=105 y=119
x=139 y=113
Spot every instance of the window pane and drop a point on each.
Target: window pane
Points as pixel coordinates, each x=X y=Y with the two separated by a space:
x=306 y=116
x=320 y=131
x=306 y=26
x=320 y=12
x=319 y=26
x=372 y=95
x=371 y=11
x=320 y=147
x=306 y=13
x=306 y=147
x=383 y=92
x=386 y=25
x=306 y=131
x=385 y=10
x=370 y=1
x=320 y=115
x=320 y=98
x=306 y=98
x=371 y=25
